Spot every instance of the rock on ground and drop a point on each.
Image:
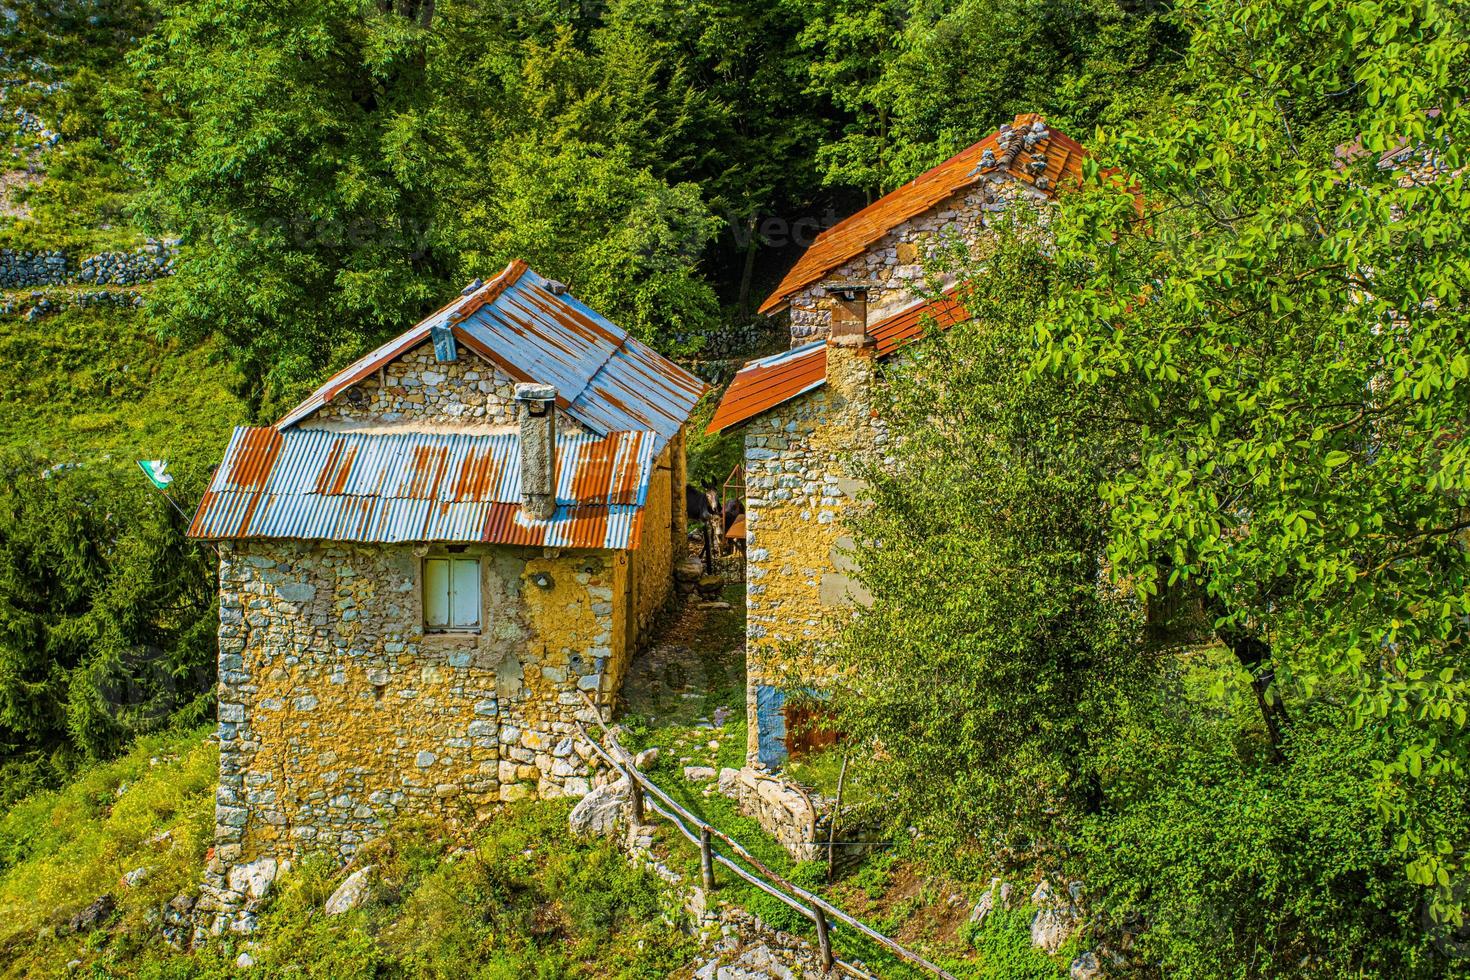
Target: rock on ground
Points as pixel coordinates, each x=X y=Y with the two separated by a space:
x=599 y=812
x=1086 y=967
x=255 y=879
x=351 y=893
x=1057 y=918
x=997 y=896
x=698 y=774
x=94 y=916
x=755 y=961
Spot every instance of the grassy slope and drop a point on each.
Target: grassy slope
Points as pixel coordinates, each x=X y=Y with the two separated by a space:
x=88 y=382
x=523 y=900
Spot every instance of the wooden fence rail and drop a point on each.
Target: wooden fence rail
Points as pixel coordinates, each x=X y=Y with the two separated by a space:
x=702 y=834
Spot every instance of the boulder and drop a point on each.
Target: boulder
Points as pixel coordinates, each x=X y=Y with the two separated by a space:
x=997 y=896
x=254 y=880
x=645 y=758
x=1056 y=917
x=599 y=812
x=351 y=893
x=698 y=774
x=1086 y=967
x=94 y=916
x=730 y=783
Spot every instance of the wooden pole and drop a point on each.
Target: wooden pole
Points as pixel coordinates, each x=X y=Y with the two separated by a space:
x=823 y=940
x=635 y=802
x=836 y=812
x=706 y=859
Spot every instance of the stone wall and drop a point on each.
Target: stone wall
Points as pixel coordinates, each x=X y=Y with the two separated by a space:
x=788 y=815
x=665 y=524
x=21 y=269
x=339 y=713
x=897 y=259
x=467 y=391
x=800 y=483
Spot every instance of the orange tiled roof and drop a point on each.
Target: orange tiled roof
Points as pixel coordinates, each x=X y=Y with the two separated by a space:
x=853 y=236
x=763 y=384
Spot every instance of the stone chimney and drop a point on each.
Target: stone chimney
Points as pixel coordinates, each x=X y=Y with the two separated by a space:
x=536 y=408
x=851 y=350
x=849 y=316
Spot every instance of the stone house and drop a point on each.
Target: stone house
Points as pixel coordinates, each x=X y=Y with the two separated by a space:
x=807 y=415
x=427 y=564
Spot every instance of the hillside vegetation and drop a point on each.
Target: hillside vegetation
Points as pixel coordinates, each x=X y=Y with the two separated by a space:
x=517 y=897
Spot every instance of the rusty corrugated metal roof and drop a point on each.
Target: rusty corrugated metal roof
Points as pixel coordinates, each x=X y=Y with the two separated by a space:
x=763 y=384
x=852 y=236
x=534 y=330
x=317 y=484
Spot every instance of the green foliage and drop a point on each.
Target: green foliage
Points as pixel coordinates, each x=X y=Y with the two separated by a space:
x=107 y=613
x=78 y=49
x=623 y=238
x=336 y=170
x=1286 y=333
x=86 y=383
x=989 y=653
x=284 y=145
x=711 y=457
x=152 y=807
x=1245 y=409
x=916 y=83
x=525 y=900
x=1262 y=870
x=1004 y=943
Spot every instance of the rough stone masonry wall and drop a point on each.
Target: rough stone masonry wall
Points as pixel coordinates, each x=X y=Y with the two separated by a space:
x=416 y=388
x=664 y=528
x=800 y=485
x=897 y=260
x=20 y=269
x=338 y=713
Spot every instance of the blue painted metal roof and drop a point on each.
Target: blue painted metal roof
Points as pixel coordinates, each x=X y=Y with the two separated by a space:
x=414 y=486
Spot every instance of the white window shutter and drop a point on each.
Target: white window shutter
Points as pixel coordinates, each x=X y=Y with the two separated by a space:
x=436 y=593
x=465 y=594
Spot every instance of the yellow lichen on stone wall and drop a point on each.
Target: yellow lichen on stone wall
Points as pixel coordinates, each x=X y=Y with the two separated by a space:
x=339 y=712
x=801 y=483
x=663 y=527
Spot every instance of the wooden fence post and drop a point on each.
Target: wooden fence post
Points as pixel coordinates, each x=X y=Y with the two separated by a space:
x=635 y=800
x=823 y=939
x=706 y=859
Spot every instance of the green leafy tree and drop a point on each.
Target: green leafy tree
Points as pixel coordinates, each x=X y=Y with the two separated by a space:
x=916 y=83
x=1287 y=331
x=626 y=242
x=335 y=168
x=285 y=144
x=993 y=654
